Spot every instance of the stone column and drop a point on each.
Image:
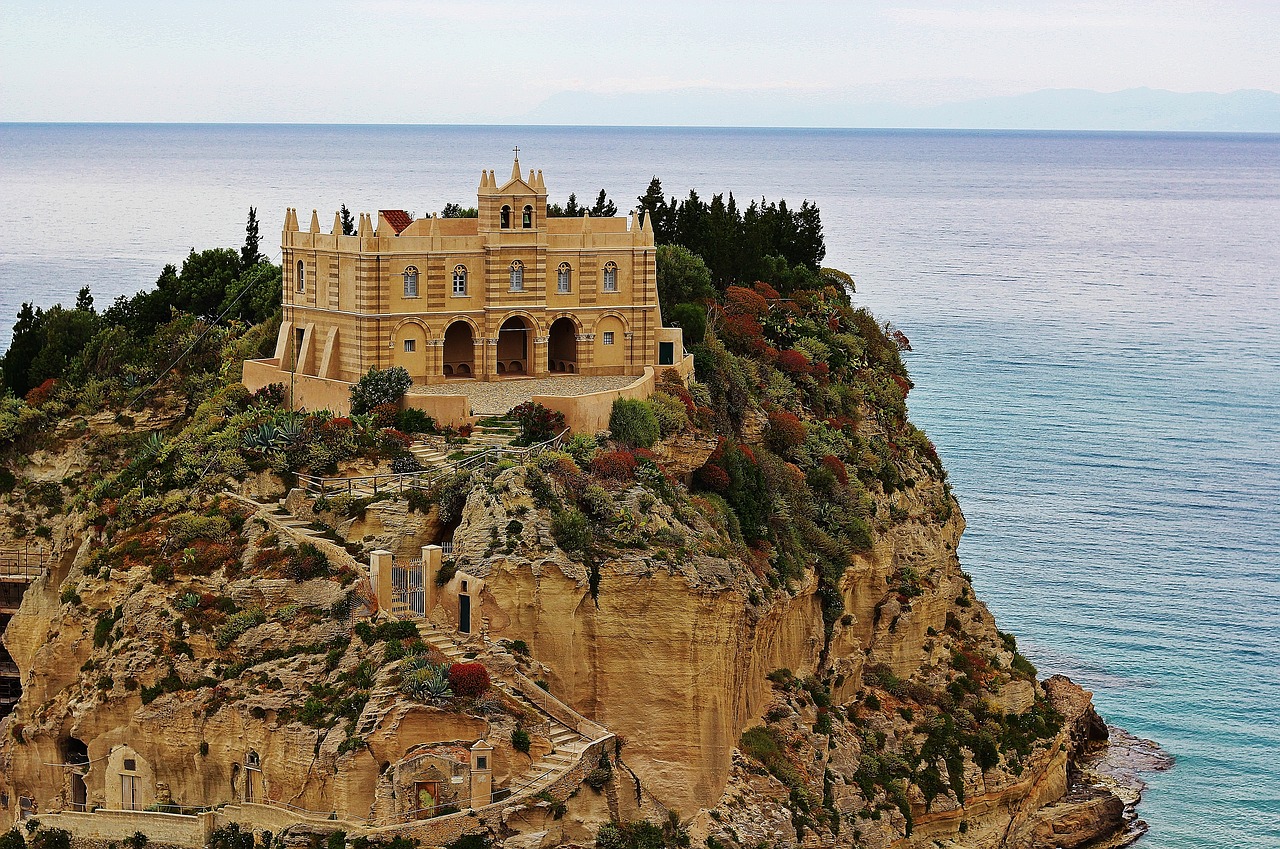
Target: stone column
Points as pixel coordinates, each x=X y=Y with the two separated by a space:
x=538 y=367
x=488 y=360
x=380 y=577
x=481 y=774
x=432 y=556
x=435 y=360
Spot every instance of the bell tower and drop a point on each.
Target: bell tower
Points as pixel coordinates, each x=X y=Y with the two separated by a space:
x=518 y=205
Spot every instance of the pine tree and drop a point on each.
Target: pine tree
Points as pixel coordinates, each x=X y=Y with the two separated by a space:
x=348 y=221
x=571 y=208
x=653 y=203
x=249 y=254
x=84 y=300
x=604 y=207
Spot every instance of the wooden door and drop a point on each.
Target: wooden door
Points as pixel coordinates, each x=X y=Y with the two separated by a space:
x=426 y=797
x=129 y=792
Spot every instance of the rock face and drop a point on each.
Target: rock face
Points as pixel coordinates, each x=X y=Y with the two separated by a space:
x=196 y=656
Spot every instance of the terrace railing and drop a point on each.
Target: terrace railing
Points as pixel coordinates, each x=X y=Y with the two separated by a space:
x=394 y=482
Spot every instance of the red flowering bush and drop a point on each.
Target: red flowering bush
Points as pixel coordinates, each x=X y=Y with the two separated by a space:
x=468 y=680
x=384 y=415
x=618 y=465
x=837 y=468
x=394 y=440
x=764 y=290
x=41 y=393
x=741 y=301
x=786 y=431
x=713 y=477
x=537 y=423
x=794 y=362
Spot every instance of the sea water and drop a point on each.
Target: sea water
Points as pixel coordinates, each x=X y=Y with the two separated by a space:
x=1096 y=329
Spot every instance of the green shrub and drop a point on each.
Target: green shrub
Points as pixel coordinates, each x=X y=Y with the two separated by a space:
x=520 y=740
x=571 y=531
x=763 y=744
x=51 y=838
x=632 y=422
x=12 y=839
x=379 y=386
x=537 y=423
x=413 y=420
x=670 y=412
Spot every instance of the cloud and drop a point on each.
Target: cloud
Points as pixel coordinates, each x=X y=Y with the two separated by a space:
x=1049 y=17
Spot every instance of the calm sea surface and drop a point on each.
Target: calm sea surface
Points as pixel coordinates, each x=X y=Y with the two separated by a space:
x=1096 y=321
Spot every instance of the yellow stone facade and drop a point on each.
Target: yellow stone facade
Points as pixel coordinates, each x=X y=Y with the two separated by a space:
x=511 y=293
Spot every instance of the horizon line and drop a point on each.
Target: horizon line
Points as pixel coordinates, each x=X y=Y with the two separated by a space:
x=725 y=127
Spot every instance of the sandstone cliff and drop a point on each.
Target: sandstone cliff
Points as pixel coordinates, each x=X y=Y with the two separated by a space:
x=766 y=611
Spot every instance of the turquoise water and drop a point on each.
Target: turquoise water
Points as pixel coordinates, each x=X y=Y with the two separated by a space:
x=1096 y=320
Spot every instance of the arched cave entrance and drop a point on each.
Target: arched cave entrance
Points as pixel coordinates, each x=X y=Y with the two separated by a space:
x=562 y=346
x=75 y=754
x=459 y=350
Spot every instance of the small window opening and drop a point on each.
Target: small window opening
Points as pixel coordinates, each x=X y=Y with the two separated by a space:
x=610 y=277
x=302 y=276
x=608 y=337
x=505 y=220
x=562 y=277
x=411 y=282
x=517 y=276
x=410 y=345
x=460 y=280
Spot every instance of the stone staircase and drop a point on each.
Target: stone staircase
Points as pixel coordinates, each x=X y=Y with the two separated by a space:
x=297 y=528
x=494 y=432
x=567 y=745
x=428 y=455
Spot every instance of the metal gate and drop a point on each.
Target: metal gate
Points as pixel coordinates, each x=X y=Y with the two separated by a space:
x=408 y=596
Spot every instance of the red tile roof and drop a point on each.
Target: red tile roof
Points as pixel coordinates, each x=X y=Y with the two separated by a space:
x=397 y=218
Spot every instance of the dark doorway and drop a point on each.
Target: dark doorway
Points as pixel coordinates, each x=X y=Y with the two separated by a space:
x=459 y=350
x=464 y=614
x=562 y=346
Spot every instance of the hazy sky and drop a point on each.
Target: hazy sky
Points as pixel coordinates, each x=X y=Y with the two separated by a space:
x=430 y=61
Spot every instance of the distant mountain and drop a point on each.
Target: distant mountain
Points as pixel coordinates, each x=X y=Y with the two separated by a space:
x=1250 y=110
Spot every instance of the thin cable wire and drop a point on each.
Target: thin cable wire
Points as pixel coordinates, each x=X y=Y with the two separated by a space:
x=192 y=346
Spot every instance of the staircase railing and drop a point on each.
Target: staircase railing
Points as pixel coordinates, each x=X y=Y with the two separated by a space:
x=398 y=482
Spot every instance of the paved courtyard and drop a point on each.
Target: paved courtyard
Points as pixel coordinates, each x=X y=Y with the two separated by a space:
x=497 y=396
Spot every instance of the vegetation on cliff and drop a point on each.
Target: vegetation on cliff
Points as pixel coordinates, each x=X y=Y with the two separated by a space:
x=786 y=470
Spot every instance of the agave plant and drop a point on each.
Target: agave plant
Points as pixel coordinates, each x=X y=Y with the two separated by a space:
x=265 y=437
x=289 y=428
x=152 y=447
x=428 y=683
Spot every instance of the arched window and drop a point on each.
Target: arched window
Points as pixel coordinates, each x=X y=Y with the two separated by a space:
x=302 y=277
x=562 y=277
x=459 y=280
x=411 y=282
x=517 y=276
x=527 y=222
x=505 y=221
x=611 y=277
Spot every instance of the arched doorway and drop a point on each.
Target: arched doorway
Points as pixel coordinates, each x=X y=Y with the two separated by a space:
x=562 y=346
x=513 y=346
x=459 y=350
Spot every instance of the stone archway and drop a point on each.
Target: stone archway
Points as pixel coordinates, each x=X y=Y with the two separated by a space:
x=562 y=346
x=459 y=350
x=515 y=342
